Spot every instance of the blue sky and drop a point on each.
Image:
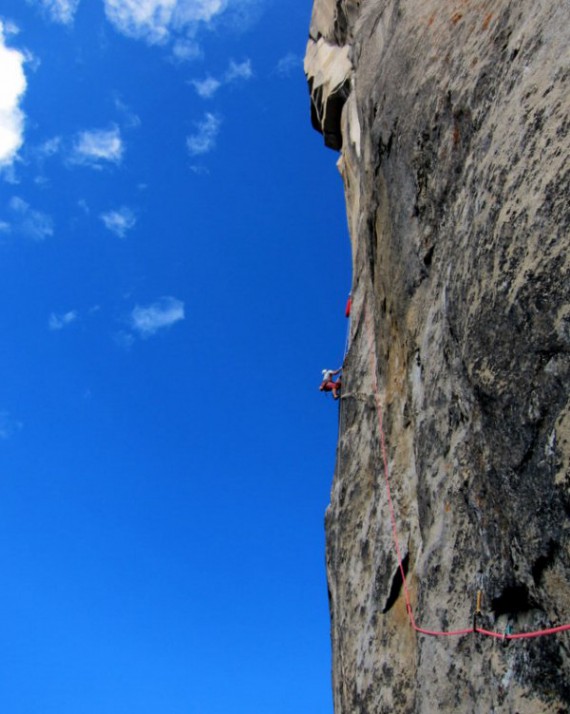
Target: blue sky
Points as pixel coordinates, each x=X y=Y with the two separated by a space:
x=175 y=267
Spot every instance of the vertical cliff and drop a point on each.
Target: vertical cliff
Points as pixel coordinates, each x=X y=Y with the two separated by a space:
x=451 y=118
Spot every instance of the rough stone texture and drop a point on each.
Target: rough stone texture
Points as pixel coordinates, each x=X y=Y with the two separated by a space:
x=453 y=119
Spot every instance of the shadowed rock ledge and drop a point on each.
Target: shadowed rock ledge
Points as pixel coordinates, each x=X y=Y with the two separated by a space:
x=452 y=118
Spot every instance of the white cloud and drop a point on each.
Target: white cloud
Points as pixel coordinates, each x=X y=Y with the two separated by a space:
x=199 y=170
x=186 y=49
x=132 y=120
x=41 y=154
x=119 y=221
x=93 y=148
x=190 y=11
x=49 y=147
x=288 y=64
x=142 y=19
x=204 y=139
x=163 y=313
x=177 y=23
x=156 y=20
x=58 y=322
x=8 y=425
x=12 y=89
x=241 y=70
x=10 y=28
x=62 y=11
x=206 y=88
x=29 y=222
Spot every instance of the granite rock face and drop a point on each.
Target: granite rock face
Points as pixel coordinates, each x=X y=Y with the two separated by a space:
x=452 y=120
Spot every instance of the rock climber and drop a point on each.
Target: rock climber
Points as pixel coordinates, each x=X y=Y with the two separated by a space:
x=329 y=384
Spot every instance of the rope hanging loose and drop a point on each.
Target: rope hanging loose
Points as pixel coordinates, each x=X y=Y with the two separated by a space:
x=407 y=599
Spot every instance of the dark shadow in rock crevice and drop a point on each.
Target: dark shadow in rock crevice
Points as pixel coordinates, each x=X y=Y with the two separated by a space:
x=397 y=583
x=513 y=600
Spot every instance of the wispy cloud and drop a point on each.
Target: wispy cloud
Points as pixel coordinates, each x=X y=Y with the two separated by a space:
x=132 y=120
x=12 y=89
x=289 y=64
x=186 y=49
x=236 y=71
x=8 y=425
x=147 y=321
x=119 y=221
x=49 y=148
x=29 y=222
x=96 y=147
x=42 y=154
x=206 y=88
x=9 y=27
x=177 y=23
x=58 y=322
x=61 y=11
x=204 y=138
x=157 y=20
x=199 y=170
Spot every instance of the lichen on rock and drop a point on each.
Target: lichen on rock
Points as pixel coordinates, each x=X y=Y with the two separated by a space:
x=453 y=123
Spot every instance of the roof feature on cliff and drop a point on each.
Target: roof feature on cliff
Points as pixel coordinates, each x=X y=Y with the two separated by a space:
x=328 y=70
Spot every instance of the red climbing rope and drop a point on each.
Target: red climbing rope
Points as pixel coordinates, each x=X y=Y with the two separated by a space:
x=417 y=628
x=523 y=635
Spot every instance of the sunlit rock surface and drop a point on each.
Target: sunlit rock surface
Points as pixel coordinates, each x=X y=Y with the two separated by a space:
x=452 y=119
